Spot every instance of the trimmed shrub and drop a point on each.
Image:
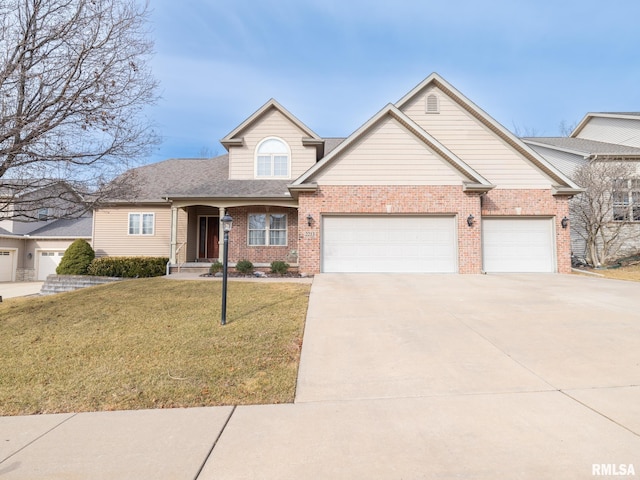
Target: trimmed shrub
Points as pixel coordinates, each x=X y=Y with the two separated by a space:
x=279 y=267
x=76 y=259
x=244 y=266
x=129 y=267
x=215 y=268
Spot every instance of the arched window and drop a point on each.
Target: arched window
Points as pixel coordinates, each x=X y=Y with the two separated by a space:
x=272 y=158
x=432 y=104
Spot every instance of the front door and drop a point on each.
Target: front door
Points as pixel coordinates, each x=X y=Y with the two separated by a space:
x=208 y=228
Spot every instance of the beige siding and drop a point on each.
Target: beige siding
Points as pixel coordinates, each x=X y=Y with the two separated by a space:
x=389 y=155
x=475 y=144
x=612 y=130
x=111 y=232
x=272 y=124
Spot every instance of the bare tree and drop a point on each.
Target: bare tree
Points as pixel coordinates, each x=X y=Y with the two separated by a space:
x=602 y=215
x=520 y=131
x=566 y=128
x=74 y=83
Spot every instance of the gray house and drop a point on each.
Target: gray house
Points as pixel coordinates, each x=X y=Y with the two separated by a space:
x=602 y=137
x=33 y=231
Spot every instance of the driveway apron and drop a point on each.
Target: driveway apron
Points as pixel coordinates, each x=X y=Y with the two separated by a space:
x=388 y=336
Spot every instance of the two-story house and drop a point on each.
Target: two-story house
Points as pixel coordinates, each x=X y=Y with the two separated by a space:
x=38 y=220
x=431 y=183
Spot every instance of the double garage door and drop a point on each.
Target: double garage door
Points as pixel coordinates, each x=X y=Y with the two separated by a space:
x=429 y=244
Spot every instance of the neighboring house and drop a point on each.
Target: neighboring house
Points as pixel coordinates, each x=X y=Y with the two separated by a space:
x=33 y=237
x=602 y=137
x=429 y=184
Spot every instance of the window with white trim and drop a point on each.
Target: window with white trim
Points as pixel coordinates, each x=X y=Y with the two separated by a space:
x=626 y=200
x=272 y=159
x=141 y=223
x=267 y=229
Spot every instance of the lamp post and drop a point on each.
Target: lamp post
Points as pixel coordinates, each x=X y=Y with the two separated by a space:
x=226 y=228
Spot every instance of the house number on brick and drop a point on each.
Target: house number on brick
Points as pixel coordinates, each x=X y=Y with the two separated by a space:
x=310 y=234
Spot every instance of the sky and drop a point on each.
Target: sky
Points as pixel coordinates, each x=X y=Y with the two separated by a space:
x=533 y=65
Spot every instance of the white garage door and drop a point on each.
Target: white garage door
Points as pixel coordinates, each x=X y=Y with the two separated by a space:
x=389 y=244
x=48 y=261
x=6 y=265
x=518 y=245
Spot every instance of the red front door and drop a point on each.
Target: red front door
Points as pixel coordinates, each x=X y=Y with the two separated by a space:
x=208 y=238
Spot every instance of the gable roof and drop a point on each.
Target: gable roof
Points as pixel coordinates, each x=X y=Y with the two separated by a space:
x=565 y=186
x=583 y=123
x=234 y=138
x=584 y=147
x=474 y=180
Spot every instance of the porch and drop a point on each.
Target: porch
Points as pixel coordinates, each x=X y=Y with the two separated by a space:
x=261 y=234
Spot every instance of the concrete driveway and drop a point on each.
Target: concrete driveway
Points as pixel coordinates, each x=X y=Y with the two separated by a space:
x=453 y=376
x=391 y=336
x=19 y=289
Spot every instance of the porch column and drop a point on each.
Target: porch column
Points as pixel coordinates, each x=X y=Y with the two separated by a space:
x=174 y=236
x=220 y=236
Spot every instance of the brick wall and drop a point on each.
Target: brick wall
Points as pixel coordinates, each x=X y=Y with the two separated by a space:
x=514 y=203
x=429 y=200
x=390 y=200
x=239 y=248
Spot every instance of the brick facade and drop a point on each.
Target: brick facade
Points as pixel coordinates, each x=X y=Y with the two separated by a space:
x=239 y=248
x=429 y=200
x=514 y=203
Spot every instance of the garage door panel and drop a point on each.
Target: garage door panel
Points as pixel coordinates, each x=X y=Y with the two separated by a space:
x=6 y=265
x=389 y=244
x=48 y=261
x=518 y=245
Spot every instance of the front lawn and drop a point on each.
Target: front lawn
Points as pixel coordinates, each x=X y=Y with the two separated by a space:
x=151 y=343
x=631 y=272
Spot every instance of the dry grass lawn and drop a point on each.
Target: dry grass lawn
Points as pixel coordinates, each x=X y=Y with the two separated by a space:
x=631 y=272
x=151 y=343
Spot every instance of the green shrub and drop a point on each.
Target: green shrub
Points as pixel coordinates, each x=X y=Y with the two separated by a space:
x=76 y=259
x=279 y=267
x=215 y=268
x=244 y=266
x=129 y=267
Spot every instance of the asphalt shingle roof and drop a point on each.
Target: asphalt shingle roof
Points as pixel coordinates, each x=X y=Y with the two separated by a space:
x=586 y=146
x=201 y=177
x=72 y=228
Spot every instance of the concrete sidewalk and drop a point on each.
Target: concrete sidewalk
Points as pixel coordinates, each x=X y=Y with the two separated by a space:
x=402 y=377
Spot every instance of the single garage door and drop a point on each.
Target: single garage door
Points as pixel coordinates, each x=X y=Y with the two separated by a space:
x=389 y=244
x=48 y=261
x=6 y=265
x=518 y=245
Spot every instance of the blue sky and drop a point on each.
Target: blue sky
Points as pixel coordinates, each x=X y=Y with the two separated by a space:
x=530 y=64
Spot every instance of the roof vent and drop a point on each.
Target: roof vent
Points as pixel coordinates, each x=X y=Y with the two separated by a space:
x=433 y=105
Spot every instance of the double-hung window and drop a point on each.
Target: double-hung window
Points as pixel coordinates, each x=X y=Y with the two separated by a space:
x=267 y=229
x=626 y=200
x=141 y=223
x=272 y=159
